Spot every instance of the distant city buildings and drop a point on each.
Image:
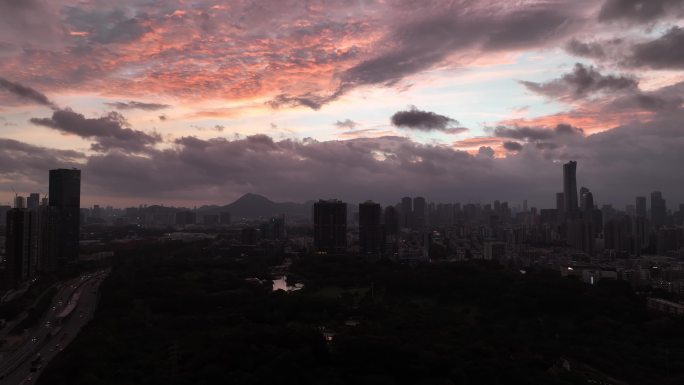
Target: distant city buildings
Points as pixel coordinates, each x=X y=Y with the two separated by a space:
x=330 y=226
x=43 y=235
x=370 y=229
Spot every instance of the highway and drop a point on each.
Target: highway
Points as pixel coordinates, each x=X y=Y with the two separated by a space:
x=78 y=298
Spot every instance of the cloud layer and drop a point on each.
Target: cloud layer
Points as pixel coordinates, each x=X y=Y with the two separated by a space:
x=415 y=119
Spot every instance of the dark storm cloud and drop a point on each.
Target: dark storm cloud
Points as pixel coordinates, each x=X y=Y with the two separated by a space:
x=512 y=146
x=537 y=133
x=24 y=92
x=134 y=105
x=640 y=11
x=109 y=131
x=416 y=119
x=666 y=52
x=381 y=168
x=26 y=165
x=582 y=82
x=346 y=124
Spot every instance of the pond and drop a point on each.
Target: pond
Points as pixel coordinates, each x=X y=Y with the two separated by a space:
x=280 y=283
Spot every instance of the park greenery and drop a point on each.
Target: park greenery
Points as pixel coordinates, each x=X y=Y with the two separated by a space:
x=183 y=314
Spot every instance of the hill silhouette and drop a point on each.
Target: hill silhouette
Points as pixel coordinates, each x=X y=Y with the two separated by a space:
x=253 y=206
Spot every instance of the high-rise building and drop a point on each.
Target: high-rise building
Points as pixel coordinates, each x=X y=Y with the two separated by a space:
x=3 y=213
x=33 y=201
x=419 y=212
x=64 y=217
x=560 y=206
x=586 y=199
x=370 y=228
x=17 y=247
x=19 y=202
x=391 y=232
x=570 y=186
x=406 y=212
x=330 y=226
x=658 y=209
x=641 y=207
x=640 y=234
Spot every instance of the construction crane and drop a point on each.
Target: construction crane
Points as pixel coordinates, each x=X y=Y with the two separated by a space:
x=14 y=204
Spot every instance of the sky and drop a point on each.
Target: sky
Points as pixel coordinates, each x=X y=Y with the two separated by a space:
x=183 y=102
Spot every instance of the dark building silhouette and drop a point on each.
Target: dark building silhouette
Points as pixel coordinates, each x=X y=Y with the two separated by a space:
x=17 y=247
x=670 y=239
x=640 y=234
x=274 y=228
x=3 y=213
x=391 y=221
x=586 y=199
x=370 y=228
x=33 y=201
x=581 y=234
x=618 y=234
x=640 y=207
x=419 y=213
x=406 y=212
x=560 y=206
x=330 y=226
x=570 y=186
x=19 y=202
x=658 y=209
x=184 y=218
x=391 y=231
x=224 y=218
x=64 y=217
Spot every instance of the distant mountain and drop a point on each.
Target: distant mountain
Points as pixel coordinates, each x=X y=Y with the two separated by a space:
x=252 y=206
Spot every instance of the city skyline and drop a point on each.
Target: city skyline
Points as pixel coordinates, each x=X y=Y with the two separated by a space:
x=186 y=104
x=568 y=183
x=342 y=192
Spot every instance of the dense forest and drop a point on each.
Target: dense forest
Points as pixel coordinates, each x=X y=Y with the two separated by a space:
x=181 y=315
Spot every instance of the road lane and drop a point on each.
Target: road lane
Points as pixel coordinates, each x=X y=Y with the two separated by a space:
x=47 y=340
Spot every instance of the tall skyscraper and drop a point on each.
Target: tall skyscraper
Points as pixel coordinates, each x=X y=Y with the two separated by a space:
x=658 y=209
x=370 y=228
x=586 y=199
x=330 y=226
x=560 y=206
x=570 y=186
x=391 y=221
x=19 y=202
x=641 y=207
x=33 y=201
x=64 y=216
x=419 y=211
x=17 y=247
x=406 y=212
x=391 y=231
